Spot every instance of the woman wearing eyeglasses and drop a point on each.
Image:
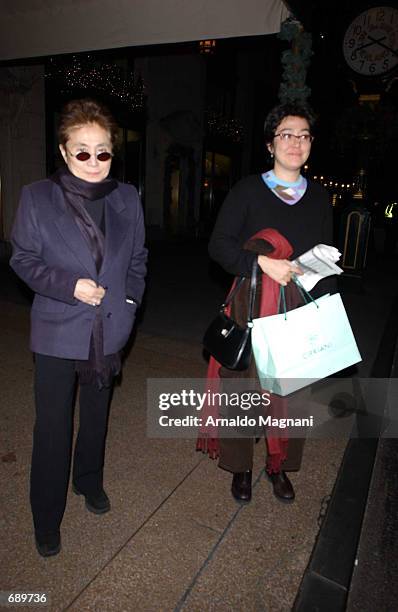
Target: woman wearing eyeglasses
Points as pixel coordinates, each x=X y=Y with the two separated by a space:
x=272 y=218
x=78 y=243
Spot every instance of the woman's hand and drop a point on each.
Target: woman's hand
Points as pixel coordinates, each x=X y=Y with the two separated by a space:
x=89 y=292
x=280 y=270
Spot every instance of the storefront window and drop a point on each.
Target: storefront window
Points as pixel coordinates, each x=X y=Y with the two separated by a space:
x=216 y=184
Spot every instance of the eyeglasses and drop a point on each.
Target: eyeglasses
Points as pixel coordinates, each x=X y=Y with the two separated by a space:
x=288 y=137
x=85 y=155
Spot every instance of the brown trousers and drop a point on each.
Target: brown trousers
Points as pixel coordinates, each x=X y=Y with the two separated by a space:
x=236 y=454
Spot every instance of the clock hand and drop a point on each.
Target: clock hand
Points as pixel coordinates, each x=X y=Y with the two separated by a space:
x=378 y=42
x=374 y=41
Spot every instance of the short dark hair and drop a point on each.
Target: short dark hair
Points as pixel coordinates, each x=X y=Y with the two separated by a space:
x=278 y=113
x=77 y=113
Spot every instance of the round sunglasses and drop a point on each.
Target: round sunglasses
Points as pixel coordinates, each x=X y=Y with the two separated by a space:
x=85 y=155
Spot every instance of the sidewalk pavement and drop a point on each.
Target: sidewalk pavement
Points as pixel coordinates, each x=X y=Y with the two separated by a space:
x=175 y=538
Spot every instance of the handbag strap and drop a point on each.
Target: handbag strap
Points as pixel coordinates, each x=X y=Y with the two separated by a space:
x=252 y=295
x=232 y=294
x=252 y=292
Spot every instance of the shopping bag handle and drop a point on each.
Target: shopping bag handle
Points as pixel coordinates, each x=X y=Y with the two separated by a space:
x=303 y=292
x=282 y=295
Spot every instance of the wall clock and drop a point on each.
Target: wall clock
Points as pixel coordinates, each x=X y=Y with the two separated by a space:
x=370 y=43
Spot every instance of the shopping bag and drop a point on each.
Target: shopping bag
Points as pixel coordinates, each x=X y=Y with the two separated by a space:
x=299 y=347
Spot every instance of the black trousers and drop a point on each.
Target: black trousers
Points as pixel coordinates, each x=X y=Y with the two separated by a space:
x=55 y=384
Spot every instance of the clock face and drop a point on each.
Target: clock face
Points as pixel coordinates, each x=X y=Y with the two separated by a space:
x=370 y=44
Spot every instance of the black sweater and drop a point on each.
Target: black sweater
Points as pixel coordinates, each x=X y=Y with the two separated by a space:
x=251 y=206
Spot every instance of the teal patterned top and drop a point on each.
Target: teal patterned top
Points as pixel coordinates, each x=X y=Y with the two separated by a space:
x=290 y=193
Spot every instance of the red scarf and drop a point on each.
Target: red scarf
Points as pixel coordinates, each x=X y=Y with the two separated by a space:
x=208 y=441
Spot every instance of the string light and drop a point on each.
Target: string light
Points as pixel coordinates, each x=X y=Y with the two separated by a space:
x=219 y=125
x=332 y=184
x=83 y=73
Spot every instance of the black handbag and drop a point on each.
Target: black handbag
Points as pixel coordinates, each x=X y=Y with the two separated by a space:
x=229 y=343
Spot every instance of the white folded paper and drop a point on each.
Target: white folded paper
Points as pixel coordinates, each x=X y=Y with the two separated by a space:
x=318 y=263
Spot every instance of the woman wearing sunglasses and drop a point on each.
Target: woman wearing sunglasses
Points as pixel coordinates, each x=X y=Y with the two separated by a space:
x=272 y=218
x=78 y=243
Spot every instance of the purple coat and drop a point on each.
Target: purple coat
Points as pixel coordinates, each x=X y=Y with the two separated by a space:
x=50 y=255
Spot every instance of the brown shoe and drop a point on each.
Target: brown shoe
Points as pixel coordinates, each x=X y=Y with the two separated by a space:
x=241 y=487
x=282 y=487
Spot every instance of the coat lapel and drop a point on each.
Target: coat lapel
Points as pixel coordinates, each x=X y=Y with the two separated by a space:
x=72 y=235
x=116 y=226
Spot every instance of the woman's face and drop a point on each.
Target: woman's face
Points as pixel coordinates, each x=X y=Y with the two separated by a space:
x=291 y=153
x=89 y=138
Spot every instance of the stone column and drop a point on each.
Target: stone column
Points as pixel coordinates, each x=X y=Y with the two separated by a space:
x=22 y=136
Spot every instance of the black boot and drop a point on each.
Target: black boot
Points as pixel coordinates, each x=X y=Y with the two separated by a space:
x=282 y=487
x=241 y=487
x=97 y=503
x=48 y=544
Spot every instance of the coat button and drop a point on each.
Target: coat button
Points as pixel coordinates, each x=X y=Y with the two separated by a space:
x=109 y=315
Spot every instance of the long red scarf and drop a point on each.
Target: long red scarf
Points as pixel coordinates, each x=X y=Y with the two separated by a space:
x=208 y=441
